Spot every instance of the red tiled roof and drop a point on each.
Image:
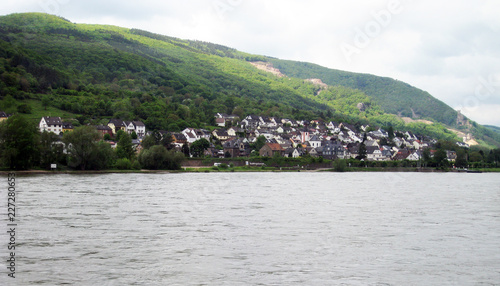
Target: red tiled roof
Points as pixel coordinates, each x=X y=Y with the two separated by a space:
x=275 y=146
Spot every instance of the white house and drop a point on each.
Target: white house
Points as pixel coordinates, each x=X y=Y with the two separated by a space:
x=315 y=141
x=221 y=122
x=140 y=128
x=292 y=153
x=51 y=124
x=232 y=132
x=355 y=138
x=415 y=156
x=374 y=153
x=190 y=135
x=136 y=126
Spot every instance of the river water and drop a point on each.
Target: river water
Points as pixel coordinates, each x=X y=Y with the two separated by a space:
x=256 y=229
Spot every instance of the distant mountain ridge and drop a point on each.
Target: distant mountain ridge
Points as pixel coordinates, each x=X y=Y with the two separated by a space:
x=494 y=128
x=94 y=72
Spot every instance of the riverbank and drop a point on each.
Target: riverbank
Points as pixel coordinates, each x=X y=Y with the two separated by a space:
x=189 y=169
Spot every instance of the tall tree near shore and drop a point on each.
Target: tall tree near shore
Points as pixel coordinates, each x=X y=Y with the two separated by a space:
x=362 y=152
x=50 y=152
x=199 y=146
x=18 y=143
x=125 y=148
x=85 y=151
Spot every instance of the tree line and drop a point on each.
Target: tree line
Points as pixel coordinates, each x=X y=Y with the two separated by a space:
x=23 y=147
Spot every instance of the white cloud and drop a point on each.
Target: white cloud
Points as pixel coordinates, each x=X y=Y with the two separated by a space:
x=484 y=114
x=439 y=46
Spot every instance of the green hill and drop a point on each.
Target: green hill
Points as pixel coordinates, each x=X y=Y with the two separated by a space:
x=95 y=72
x=393 y=96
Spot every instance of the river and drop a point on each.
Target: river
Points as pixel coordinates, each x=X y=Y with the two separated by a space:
x=256 y=229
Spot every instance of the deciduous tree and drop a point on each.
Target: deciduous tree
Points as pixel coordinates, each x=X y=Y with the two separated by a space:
x=85 y=151
x=199 y=146
x=125 y=148
x=18 y=143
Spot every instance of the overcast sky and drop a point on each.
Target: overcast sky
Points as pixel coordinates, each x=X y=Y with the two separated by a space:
x=449 y=48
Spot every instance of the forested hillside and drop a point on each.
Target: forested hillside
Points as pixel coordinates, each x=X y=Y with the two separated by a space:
x=393 y=96
x=50 y=66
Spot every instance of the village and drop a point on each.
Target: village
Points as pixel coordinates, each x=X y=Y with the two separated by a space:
x=235 y=138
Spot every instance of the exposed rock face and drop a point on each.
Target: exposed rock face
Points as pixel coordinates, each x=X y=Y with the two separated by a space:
x=268 y=67
x=318 y=82
x=461 y=120
x=361 y=106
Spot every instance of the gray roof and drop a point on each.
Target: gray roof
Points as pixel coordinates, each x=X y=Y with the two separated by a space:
x=315 y=138
x=53 y=120
x=103 y=127
x=117 y=122
x=138 y=123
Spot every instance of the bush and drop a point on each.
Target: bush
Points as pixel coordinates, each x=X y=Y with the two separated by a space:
x=123 y=164
x=153 y=158
x=157 y=157
x=136 y=165
x=339 y=165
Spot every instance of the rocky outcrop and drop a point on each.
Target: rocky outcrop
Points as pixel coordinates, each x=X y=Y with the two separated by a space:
x=268 y=67
x=318 y=82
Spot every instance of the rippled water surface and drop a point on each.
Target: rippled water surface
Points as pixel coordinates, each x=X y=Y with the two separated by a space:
x=257 y=229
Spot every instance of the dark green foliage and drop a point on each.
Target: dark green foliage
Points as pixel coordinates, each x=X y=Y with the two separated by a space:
x=199 y=146
x=461 y=161
x=158 y=158
x=136 y=165
x=185 y=150
x=259 y=143
x=24 y=108
x=166 y=141
x=45 y=101
x=133 y=135
x=123 y=164
x=85 y=151
x=124 y=149
x=339 y=165
x=119 y=134
x=362 y=152
x=50 y=150
x=426 y=156
x=440 y=158
x=18 y=143
x=475 y=157
x=148 y=142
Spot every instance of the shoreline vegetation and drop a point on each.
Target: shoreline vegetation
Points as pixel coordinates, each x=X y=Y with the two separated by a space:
x=245 y=169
